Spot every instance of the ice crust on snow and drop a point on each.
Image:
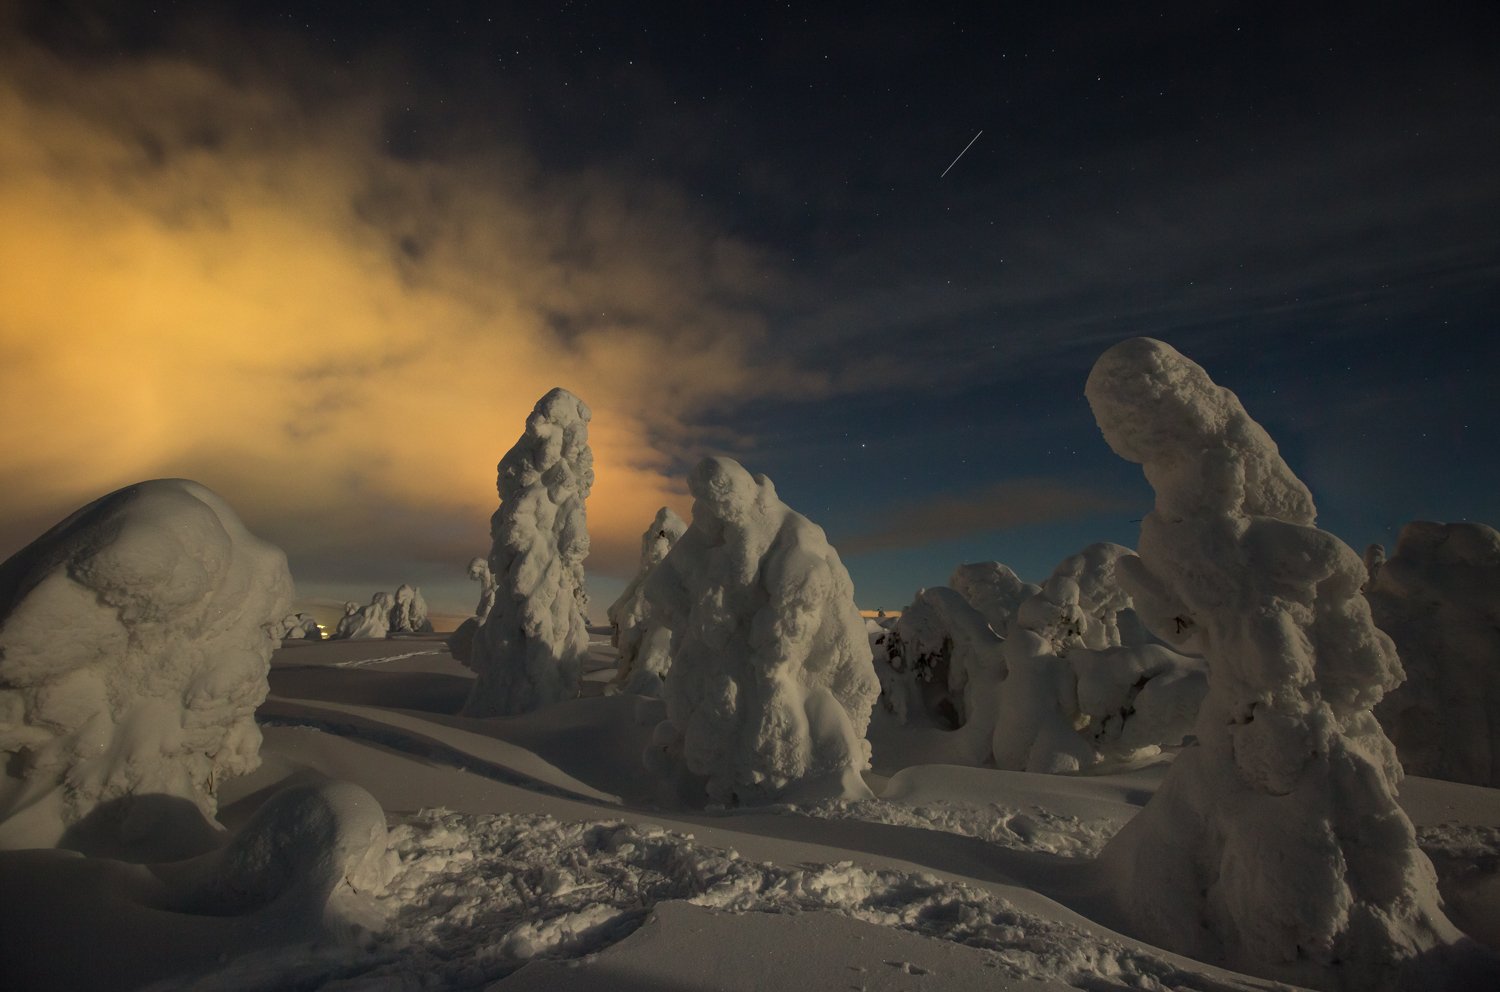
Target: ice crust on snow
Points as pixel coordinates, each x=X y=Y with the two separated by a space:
x=135 y=638
x=644 y=644
x=1438 y=597
x=529 y=651
x=771 y=681
x=1275 y=843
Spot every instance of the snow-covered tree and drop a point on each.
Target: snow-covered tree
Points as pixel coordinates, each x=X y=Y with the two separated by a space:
x=300 y=627
x=992 y=589
x=643 y=642
x=135 y=639
x=1276 y=843
x=1438 y=597
x=771 y=684
x=529 y=652
x=409 y=611
x=479 y=571
x=370 y=622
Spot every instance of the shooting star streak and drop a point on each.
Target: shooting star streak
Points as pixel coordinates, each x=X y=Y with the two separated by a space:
x=961 y=154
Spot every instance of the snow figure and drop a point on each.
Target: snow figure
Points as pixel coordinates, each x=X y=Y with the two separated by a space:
x=1276 y=843
x=368 y=622
x=771 y=684
x=529 y=652
x=644 y=644
x=1139 y=697
x=992 y=589
x=135 y=639
x=1438 y=597
x=479 y=571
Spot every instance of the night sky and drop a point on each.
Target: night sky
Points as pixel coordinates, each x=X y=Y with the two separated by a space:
x=324 y=257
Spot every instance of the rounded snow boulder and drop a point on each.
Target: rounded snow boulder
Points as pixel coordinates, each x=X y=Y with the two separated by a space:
x=135 y=640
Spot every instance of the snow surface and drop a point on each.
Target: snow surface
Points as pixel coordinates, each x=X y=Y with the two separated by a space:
x=134 y=643
x=1438 y=597
x=529 y=650
x=771 y=683
x=527 y=853
x=644 y=643
x=1290 y=768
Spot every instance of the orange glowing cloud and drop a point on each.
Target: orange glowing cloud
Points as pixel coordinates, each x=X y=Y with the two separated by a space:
x=207 y=276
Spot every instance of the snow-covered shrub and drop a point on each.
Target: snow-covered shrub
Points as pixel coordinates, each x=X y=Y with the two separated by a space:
x=366 y=622
x=771 y=684
x=1036 y=723
x=529 y=652
x=938 y=647
x=992 y=589
x=643 y=642
x=1137 y=696
x=1276 y=843
x=1100 y=595
x=1438 y=597
x=135 y=639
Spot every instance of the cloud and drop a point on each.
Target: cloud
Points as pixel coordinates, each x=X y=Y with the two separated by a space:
x=209 y=273
x=1003 y=505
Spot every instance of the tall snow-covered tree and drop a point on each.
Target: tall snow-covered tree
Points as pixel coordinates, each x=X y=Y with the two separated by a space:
x=529 y=652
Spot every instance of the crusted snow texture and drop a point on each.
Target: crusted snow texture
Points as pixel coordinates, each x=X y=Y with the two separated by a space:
x=771 y=683
x=1438 y=597
x=1276 y=843
x=135 y=640
x=370 y=622
x=529 y=652
x=943 y=665
x=479 y=571
x=992 y=589
x=409 y=612
x=643 y=642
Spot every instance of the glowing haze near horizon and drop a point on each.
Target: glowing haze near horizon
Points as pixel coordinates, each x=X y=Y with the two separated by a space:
x=295 y=261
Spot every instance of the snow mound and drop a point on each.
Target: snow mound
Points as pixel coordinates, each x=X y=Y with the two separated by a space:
x=644 y=644
x=1438 y=597
x=529 y=651
x=1275 y=843
x=771 y=682
x=135 y=640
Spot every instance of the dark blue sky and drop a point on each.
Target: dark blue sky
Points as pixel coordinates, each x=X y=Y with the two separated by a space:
x=1304 y=201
